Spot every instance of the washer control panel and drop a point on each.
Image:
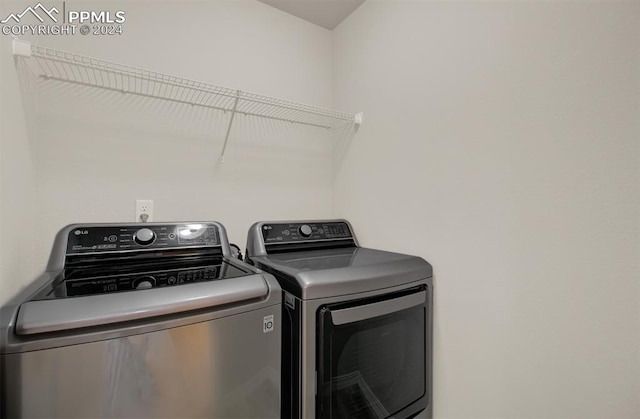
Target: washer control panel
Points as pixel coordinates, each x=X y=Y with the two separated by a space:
x=144 y=281
x=300 y=232
x=102 y=239
x=137 y=282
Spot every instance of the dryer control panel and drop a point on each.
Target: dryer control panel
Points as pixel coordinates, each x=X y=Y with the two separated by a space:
x=304 y=232
x=103 y=239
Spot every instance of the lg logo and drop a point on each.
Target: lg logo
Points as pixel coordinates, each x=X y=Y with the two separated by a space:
x=267 y=324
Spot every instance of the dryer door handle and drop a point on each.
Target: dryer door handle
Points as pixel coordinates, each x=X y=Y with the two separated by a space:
x=359 y=313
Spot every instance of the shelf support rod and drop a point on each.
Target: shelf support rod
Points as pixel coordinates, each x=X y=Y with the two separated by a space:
x=226 y=137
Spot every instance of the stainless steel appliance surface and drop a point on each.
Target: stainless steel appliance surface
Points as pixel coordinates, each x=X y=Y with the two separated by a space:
x=143 y=320
x=357 y=322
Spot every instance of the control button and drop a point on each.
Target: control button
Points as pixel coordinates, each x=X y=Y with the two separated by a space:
x=144 y=236
x=144 y=283
x=113 y=238
x=172 y=280
x=172 y=236
x=305 y=230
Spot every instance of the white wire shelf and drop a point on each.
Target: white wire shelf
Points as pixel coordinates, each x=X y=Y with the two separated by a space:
x=51 y=64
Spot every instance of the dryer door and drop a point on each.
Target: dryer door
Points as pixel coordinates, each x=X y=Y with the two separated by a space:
x=372 y=360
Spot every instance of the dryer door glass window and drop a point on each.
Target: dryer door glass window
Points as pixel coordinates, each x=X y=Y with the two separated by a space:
x=371 y=357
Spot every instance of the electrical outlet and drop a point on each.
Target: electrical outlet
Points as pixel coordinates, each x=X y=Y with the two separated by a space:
x=144 y=210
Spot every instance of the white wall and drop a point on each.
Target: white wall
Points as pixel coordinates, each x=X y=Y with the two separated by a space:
x=96 y=152
x=501 y=143
x=17 y=179
x=17 y=182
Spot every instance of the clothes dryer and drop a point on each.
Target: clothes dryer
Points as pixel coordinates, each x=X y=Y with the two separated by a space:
x=357 y=322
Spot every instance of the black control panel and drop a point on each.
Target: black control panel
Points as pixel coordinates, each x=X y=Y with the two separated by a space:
x=140 y=236
x=141 y=281
x=303 y=232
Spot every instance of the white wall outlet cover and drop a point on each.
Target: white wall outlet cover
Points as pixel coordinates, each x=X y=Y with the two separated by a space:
x=144 y=210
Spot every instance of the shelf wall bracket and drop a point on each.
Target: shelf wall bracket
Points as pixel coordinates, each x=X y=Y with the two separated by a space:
x=21 y=48
x=226 y=137
x=357 y=119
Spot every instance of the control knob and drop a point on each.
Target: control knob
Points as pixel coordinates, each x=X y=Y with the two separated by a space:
x=305 y=230
x=144 y=236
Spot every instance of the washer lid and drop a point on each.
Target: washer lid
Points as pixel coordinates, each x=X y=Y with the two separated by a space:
x=42 y=316
x=335 y=272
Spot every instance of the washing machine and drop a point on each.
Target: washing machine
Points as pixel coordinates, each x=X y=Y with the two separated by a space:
x=357 y=322
x=143 y=320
